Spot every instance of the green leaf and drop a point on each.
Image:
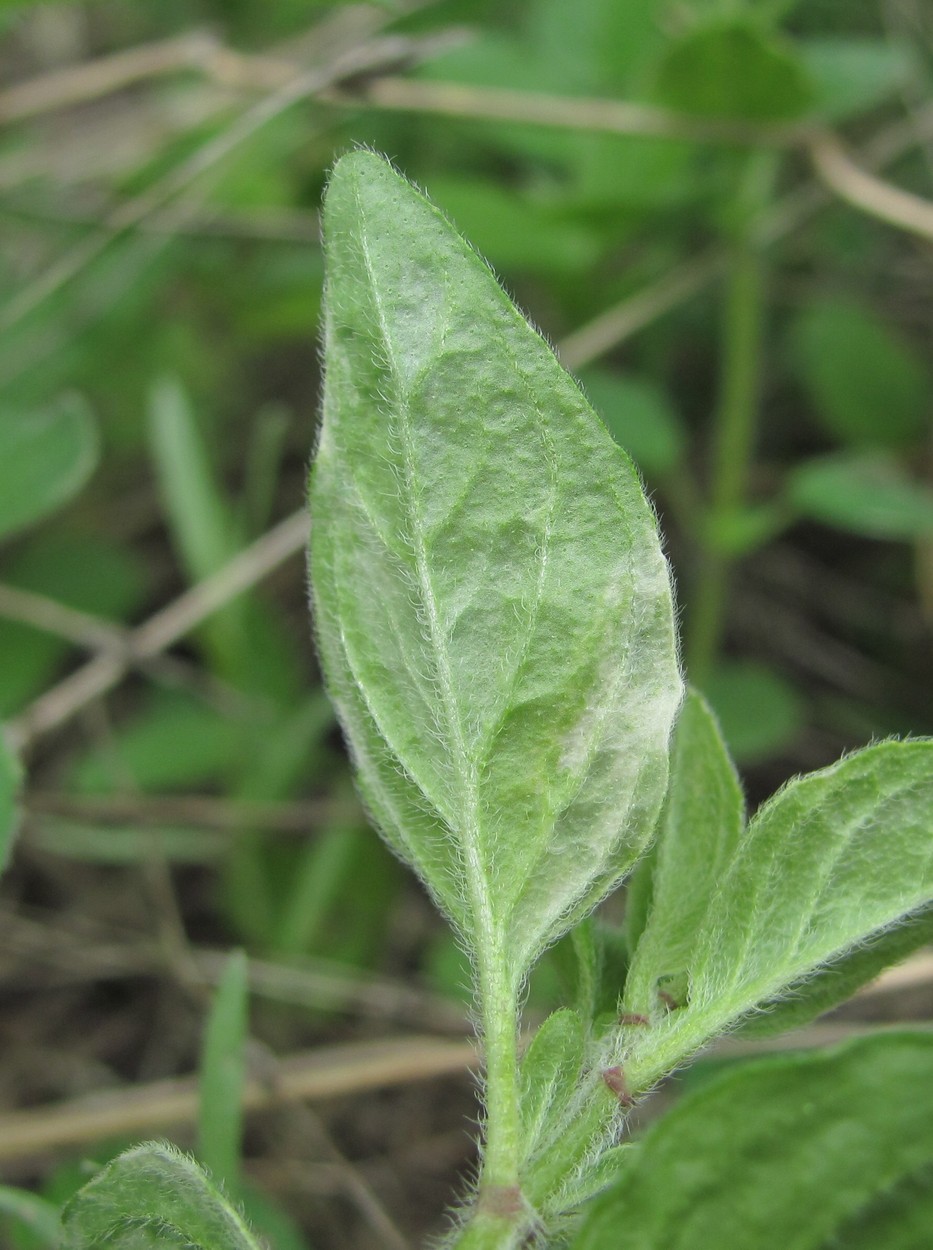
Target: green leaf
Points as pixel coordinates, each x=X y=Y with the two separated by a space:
x=899 y=1219
x=759 y=711
x=837 y=983
x=730 y=68
x=587 y=949
x=492 y=606
x=202 y=524
x=597 y=1176
x=834 y=858
x=222 y=1074
x=319 y=882
x=549 y=1073
x=868 y=493
x=45 y=459
x=153 y=1196
x=640 y=417
x=868 y=386
x=638 y=898
x=10 y=779
x=852 y=75
x=777 y=1154
x=597 y=46
x=516 y=231
x=200 y=519
x=172 y=742
x=698 y=836
x=279 y=1231
x=33 y=1212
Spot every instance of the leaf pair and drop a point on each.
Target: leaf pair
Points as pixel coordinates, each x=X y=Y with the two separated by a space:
x=492 y=605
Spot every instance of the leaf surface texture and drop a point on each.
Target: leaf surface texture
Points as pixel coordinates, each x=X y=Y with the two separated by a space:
x=492 y=605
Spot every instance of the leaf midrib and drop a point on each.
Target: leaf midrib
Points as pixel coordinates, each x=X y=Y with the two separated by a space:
x=486 y=929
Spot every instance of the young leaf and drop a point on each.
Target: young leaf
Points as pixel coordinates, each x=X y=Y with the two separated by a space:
x=603 y=1171
x=45 y=458
x=588 y=957
x=492 y=606
x=832 y=859
x=549 y=1071
x=700 y=829
x=777 y=1154
x=638 y=892
x=223 y=1074
x=153 y=1195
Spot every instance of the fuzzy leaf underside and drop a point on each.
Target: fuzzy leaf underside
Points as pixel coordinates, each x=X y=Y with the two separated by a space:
x=492 y=606
x=833 y=860
x=778 y=1154
x=153 y=1195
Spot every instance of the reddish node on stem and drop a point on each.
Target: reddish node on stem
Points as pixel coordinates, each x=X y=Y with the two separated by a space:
x=633 y=1018
x=503 y=1201
x=614 y=1079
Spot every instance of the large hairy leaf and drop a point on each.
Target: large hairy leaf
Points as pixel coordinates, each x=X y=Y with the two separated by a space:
x=492 y=606
x=781 y=1154
x=833 y=859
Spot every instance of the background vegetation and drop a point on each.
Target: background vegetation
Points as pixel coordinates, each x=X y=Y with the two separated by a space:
x=720 y=214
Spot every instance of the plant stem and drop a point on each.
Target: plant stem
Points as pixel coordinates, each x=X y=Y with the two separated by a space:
x=500 y=1218
x=503 y=1127
x=491 y=1232
x=733 y=445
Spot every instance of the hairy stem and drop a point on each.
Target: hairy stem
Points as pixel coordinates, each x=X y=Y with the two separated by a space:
x=500 y=1218
x=503 y=1123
